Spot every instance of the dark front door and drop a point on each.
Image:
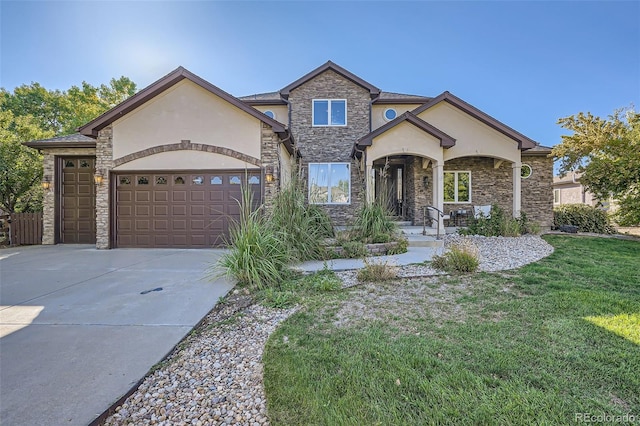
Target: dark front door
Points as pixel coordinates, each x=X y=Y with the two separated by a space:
x=78 y=201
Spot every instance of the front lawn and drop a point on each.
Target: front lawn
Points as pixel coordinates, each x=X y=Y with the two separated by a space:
x=538 y=345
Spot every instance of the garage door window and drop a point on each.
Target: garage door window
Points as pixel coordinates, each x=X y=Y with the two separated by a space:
x=198 y=180
x=216 y=180
x=143 y=180
x=235 y=180
x=179 y=180
x=124 y=180
x=161 y=180
x=254 y=180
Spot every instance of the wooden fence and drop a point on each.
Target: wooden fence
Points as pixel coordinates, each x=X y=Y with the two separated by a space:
x=25 y=228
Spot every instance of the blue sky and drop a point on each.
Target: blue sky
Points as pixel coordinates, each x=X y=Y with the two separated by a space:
x=525 y=63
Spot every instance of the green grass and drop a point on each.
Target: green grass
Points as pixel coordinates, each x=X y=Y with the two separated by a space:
x=518 y=347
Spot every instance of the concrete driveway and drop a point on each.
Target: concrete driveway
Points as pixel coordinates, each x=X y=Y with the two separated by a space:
x=79 y=326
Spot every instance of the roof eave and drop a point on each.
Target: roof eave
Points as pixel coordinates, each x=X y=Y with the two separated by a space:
x=45 y=145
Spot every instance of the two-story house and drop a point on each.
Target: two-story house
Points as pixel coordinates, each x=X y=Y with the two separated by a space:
x=165 y=167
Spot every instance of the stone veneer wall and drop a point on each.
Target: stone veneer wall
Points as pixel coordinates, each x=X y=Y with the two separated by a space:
x=269 y=154
x=417 y=195
x=537 y=190
x=104 y=164
x=332 y=144
x=488 y=185
x=49 y=205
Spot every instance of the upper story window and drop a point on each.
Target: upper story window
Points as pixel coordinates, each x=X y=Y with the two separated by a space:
x=270 y=114
x=329 y=112
x=390 y=114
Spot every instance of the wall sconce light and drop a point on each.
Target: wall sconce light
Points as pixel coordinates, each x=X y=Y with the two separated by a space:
x=425 y=182
x=98 y=178
x=46 y=183
x=268 y=174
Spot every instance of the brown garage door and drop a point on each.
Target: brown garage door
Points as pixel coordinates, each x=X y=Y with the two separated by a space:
x=78 y=201
x=192 y=209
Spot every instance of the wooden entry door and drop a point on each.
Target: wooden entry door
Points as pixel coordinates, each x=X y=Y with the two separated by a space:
x=78 y=201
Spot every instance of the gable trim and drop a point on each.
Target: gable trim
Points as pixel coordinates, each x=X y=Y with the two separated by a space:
x=446 y=141
x=92 y=128
x=524 y=142
x=188 y=146
x=373 y=90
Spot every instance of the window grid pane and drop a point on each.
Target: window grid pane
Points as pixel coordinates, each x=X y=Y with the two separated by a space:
x=329 y=183
x=320 y=113
x=338 y=113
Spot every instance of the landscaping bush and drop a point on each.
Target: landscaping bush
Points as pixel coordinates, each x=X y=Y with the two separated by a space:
x=586 y=218
x=377 y=272
x=324 y=280
x=497 y=224
x=372 y=221
x=460 y=258
x=301 y=226
x=257 y=256
x=354 y=249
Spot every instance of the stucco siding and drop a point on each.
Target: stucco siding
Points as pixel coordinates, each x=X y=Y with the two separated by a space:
x=377 y=113
x=405 y=139
x=473 y=138
x=185 y=160
x=186 y=112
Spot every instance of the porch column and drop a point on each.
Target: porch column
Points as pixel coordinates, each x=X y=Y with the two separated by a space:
x=438 y=189
x=370 y=185
x=516 y=166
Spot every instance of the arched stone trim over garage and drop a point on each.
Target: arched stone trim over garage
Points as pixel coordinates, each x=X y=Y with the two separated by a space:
x=187 y=145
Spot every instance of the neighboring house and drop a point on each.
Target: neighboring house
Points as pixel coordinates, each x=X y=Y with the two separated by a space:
x=168 y=163
x=567 y=189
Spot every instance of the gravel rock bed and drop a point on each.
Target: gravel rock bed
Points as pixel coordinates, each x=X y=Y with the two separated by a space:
x=500 y=253
x=214 y=377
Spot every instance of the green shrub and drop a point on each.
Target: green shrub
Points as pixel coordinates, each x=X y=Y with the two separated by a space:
x=324 y=280
x=586 y=218
x=377 y=272
x=460 y=258
x=279 y=299
x=497 y=224
x=257 y=256
x=301 y=226
x=354 y=249
x=401 y=247
x=372 y=221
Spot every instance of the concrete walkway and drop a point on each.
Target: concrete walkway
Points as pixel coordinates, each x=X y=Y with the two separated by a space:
x=412 y=256
x=79 y=326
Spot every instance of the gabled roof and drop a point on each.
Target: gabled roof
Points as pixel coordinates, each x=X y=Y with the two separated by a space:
x=270 y=98
x=446 y=141
x=75 y=140
x=400 y=98
x=91 y=129
x=523 y=141
x=374 y=91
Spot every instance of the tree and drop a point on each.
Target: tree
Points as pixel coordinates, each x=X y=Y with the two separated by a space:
x=607 y=152
x=20 y=166
x=32 y=112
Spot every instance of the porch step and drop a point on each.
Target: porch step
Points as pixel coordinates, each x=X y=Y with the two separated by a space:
x=402 y=223
x=424 y=241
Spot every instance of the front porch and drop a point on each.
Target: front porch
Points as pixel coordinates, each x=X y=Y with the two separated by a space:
x=408 y=184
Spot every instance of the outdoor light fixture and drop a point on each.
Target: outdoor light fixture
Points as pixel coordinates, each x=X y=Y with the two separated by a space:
x=46 y=183
x=97 y=178
x=268 y=174
x=425 y=182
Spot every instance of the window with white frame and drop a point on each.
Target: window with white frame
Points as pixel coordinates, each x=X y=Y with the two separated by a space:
x=556 y=196
x=457 y=187
x=329 y=183
x=329 y=112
